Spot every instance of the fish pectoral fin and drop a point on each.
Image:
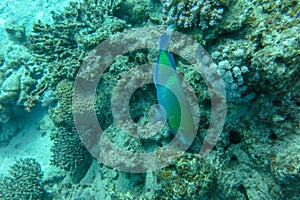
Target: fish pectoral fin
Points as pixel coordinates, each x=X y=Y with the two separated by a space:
x=157 y=113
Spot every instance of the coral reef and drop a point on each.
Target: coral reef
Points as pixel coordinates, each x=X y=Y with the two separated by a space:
x=15 y=31
x=203 y=14
x=60 y=47
x=231 y=57
x=10 y=88
x=256 y=47
x=188 y=178
x=67 y=150
x=109 y=79
x=134 y=12
x=16 y=75
x=267 y=46
x=25 y=181
x=285 y=167
x=62 y=113
x=15 y=84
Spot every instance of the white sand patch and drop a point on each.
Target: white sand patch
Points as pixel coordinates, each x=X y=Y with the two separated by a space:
x=28 y=12
x=29 y=142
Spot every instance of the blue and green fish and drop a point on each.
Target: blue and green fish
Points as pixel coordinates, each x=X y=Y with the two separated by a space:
x=173 y=105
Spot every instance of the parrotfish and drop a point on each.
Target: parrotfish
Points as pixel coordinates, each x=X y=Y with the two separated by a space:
x=172 y=102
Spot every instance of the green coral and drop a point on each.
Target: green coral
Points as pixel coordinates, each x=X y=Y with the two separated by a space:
x=25 y=181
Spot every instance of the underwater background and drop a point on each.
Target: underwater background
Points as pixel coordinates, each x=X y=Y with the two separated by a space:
x=256 y=47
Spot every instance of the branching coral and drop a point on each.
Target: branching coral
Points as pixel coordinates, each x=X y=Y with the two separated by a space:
x=25 y=181
x=59 y=48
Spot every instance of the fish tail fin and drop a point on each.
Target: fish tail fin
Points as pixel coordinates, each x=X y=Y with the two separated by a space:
x=164 y=40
